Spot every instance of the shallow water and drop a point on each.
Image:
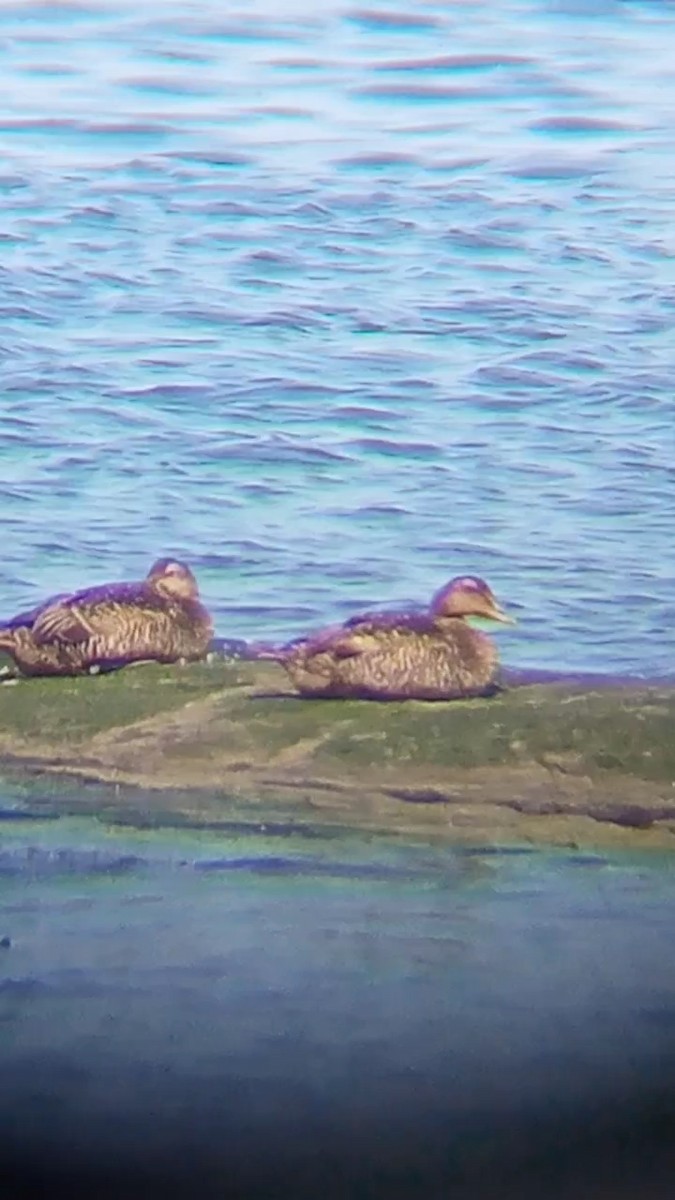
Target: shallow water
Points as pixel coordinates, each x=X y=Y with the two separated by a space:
x=340 y=302
x=193 y=996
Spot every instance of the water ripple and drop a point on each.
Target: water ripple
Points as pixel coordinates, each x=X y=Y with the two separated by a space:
x=327 y=337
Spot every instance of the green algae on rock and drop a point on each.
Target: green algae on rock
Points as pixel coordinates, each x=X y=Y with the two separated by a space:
x=561 y=763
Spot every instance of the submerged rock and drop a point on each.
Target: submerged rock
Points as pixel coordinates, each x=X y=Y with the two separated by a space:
x=569 y=762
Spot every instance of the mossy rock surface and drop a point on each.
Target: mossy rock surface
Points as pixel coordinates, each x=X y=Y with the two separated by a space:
x=563 y=763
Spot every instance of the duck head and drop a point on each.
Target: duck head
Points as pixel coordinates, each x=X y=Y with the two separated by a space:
x=172 y=578
x=468 y=596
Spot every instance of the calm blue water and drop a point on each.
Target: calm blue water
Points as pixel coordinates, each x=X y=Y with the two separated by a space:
x=338 y=302
x=196 y=995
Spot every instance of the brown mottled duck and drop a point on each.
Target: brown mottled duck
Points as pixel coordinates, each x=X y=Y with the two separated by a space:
x=159 y=618
x=387 y=656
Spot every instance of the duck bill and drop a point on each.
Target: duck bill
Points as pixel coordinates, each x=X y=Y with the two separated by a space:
x=497 y=614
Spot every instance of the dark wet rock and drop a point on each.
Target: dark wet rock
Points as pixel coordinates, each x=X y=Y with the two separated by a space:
x=38 y=862
x=234 y=648
x=26 y=814
x=421 y=795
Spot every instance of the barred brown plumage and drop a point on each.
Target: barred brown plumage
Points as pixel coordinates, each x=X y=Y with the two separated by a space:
x=159 y=618
x=386 y=656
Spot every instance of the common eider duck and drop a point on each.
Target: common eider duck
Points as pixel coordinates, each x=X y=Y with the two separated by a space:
x=159 y=618
x=435 y=655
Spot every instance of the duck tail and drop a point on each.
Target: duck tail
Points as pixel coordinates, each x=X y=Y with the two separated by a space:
x=10 y=644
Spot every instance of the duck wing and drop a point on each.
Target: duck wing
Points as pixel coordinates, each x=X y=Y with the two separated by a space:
x=25 y=620
x=335 y=640
x=95 y=611
x=382 y=625
x=359 y=634
x=365 y=632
